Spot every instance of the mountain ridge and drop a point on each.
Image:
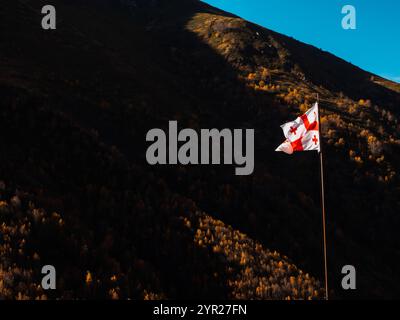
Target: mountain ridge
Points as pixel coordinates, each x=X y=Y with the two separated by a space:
x=115 y=89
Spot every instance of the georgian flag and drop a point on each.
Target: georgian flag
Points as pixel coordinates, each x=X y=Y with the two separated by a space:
x=302 y=134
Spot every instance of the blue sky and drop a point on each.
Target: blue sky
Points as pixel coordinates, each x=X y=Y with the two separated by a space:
x=373 y=46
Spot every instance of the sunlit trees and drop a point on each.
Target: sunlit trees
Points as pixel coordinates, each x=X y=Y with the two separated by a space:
x=262 y=274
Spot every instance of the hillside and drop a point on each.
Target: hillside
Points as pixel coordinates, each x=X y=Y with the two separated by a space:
x=77 y=192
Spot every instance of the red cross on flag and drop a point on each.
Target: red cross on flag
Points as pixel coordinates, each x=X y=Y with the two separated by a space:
x=303 y=133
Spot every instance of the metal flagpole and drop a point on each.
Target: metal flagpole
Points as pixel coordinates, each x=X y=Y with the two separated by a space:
x=323 y=203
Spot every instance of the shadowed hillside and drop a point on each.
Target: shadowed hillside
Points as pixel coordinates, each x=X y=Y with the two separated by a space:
x=76 y=191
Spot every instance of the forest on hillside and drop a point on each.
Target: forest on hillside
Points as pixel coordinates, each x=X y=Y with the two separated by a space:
x=76 y=190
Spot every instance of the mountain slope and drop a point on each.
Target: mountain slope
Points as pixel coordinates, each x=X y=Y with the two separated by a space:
x=77 y=103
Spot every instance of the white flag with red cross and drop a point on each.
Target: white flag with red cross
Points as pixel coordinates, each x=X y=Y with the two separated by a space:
x=303 y=133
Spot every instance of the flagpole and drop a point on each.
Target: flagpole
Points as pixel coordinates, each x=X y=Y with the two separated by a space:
x=323 y=205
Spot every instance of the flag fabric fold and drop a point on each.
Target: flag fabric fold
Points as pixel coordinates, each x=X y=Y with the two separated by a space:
x=302 y=134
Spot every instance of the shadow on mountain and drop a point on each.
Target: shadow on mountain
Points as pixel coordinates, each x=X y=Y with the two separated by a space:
x=74 y=136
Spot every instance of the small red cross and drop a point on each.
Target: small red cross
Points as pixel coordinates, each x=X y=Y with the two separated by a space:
x=315 y=140
x=293 y=130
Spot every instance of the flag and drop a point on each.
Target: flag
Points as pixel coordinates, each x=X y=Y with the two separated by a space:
x=302 y=134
